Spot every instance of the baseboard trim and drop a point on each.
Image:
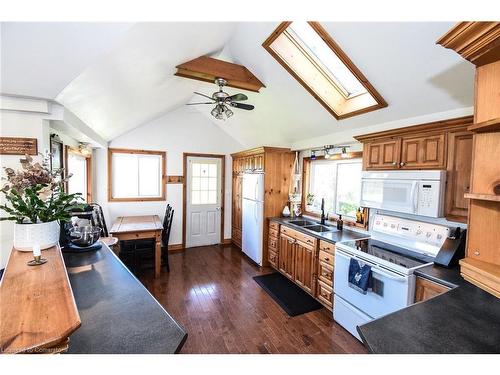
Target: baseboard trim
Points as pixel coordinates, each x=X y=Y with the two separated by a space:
x=227 y=241
x=176 y=248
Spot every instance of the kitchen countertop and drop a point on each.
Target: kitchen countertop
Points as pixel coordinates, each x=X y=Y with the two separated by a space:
x=117 y=312
x=466 y=319
x=332 y=237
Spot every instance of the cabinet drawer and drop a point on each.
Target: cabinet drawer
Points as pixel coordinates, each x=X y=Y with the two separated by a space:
x=273 y=233
x=273 y=258
x=325 y=273
x=272 y=243
x=327 y=246
x=326 y=257
x=325 y=294
x=308 y=240
x=274 y=225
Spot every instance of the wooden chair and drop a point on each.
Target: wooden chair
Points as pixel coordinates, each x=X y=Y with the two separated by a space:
x=98 y=220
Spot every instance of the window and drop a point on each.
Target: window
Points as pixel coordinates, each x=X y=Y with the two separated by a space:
x=338 y=182
x=312 y=57
x=80 y=167
x=204 y=183
x=136 y=175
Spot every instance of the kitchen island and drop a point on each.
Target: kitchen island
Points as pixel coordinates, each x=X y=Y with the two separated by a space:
x=118 y=314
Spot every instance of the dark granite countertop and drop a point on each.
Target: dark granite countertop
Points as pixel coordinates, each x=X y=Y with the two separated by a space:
x=118 y=313
x=332 y=237
x=465 y=319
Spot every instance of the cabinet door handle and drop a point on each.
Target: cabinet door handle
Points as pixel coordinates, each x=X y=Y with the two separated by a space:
x=394 y=163
x=402 y=164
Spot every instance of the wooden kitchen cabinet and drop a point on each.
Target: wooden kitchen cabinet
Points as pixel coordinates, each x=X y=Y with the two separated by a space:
x=325 y=295
x=236 y=216
x=383 y=154
x=304 y=266
x=423 y=152
x=287 y=256
x=425 y=289
x=414 y=147
x=458 y=171
x=273 y=245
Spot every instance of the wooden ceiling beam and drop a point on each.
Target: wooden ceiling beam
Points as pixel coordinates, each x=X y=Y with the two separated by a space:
x=207 y=69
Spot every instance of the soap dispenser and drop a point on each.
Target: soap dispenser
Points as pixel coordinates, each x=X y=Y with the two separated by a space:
x=340 y=223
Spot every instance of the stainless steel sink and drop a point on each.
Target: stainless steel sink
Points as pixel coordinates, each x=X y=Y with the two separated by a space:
x=319 y=228
x=302 y=223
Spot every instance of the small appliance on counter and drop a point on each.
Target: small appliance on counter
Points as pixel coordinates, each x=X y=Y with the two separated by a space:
x=397 y=248
x=79 y=234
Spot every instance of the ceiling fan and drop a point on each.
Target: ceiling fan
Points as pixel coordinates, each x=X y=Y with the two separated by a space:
x=223 y=101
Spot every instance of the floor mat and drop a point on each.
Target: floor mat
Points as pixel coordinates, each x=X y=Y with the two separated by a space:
x=289 y=296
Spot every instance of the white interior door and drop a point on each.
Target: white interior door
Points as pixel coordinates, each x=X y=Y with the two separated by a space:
x=203 y=201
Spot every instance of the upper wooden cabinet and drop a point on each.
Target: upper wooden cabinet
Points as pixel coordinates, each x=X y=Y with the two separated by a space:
x=414 y=147
x=458 y=171
x=406 y=152
x=383 y=154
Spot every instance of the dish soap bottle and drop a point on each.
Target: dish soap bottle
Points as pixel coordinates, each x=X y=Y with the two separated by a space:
x=340 y=223
x=359 y=216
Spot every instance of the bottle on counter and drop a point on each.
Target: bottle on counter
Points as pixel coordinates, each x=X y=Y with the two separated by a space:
x=359 y=216
x=340 y=223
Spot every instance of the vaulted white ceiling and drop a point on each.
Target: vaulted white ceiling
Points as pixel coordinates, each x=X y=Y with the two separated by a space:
x=127 y=79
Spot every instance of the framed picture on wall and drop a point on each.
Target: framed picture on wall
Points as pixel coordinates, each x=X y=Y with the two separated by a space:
x=56 y=151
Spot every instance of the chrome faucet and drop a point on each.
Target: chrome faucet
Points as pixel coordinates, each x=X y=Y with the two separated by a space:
x=323 y=217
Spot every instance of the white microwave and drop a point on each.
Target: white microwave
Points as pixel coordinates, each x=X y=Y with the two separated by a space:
x=412 y=192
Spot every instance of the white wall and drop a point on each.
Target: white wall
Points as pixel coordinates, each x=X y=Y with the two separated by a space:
x=18 y=124
x=183 y=130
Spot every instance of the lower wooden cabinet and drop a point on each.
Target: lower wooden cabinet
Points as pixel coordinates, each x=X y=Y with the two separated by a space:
x=325 y=294
x=286 y=256
x=304 y=266
x=425 y=289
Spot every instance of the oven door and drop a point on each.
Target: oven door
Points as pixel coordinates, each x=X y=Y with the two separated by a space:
x=391 y=195
x=391 y=291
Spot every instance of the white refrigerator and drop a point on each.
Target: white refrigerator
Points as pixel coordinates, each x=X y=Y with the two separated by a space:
x=253 y=216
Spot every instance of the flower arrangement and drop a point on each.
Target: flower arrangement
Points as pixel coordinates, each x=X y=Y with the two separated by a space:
x=36 y=194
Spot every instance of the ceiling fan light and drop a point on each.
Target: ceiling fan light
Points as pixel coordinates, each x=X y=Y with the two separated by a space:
x=229 y=113
x=215 y=112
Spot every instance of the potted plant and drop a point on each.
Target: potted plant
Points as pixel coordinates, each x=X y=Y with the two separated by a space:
x=310 y=199
x=36 y=201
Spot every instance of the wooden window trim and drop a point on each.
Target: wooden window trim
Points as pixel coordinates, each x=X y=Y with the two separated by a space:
x=89 y=161
x=163 y=155
x=381 y=103
x=306 y=177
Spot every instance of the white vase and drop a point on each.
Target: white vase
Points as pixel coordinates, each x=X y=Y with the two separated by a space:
x=44 y=234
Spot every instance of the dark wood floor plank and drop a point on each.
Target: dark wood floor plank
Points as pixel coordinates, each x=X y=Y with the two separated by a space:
x=210 y=291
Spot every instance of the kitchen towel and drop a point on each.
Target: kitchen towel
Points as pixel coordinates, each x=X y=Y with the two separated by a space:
x=359 y=276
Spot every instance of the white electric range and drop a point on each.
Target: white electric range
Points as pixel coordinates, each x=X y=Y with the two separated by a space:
x=397 y=247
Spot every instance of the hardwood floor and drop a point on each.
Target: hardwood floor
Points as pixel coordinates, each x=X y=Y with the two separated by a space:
x=210 y=291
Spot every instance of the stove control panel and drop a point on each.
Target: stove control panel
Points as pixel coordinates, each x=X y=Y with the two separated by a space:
x=415 y=234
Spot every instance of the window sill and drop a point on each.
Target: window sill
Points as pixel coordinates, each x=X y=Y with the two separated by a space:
x=155 y=199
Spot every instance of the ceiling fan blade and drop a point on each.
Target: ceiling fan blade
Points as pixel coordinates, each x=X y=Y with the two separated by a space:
x=238 y=97
x=206 y=96
x=199 y=103
x=248 y=107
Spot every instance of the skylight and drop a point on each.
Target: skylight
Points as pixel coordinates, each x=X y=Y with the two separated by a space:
x=318 y=63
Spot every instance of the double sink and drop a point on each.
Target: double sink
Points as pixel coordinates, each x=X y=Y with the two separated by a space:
x=312 y=226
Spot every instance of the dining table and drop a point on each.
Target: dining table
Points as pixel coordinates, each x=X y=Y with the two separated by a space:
x=127 y=228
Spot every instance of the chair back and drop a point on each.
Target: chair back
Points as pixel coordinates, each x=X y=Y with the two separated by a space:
x=98 y=219
x=167 y=225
